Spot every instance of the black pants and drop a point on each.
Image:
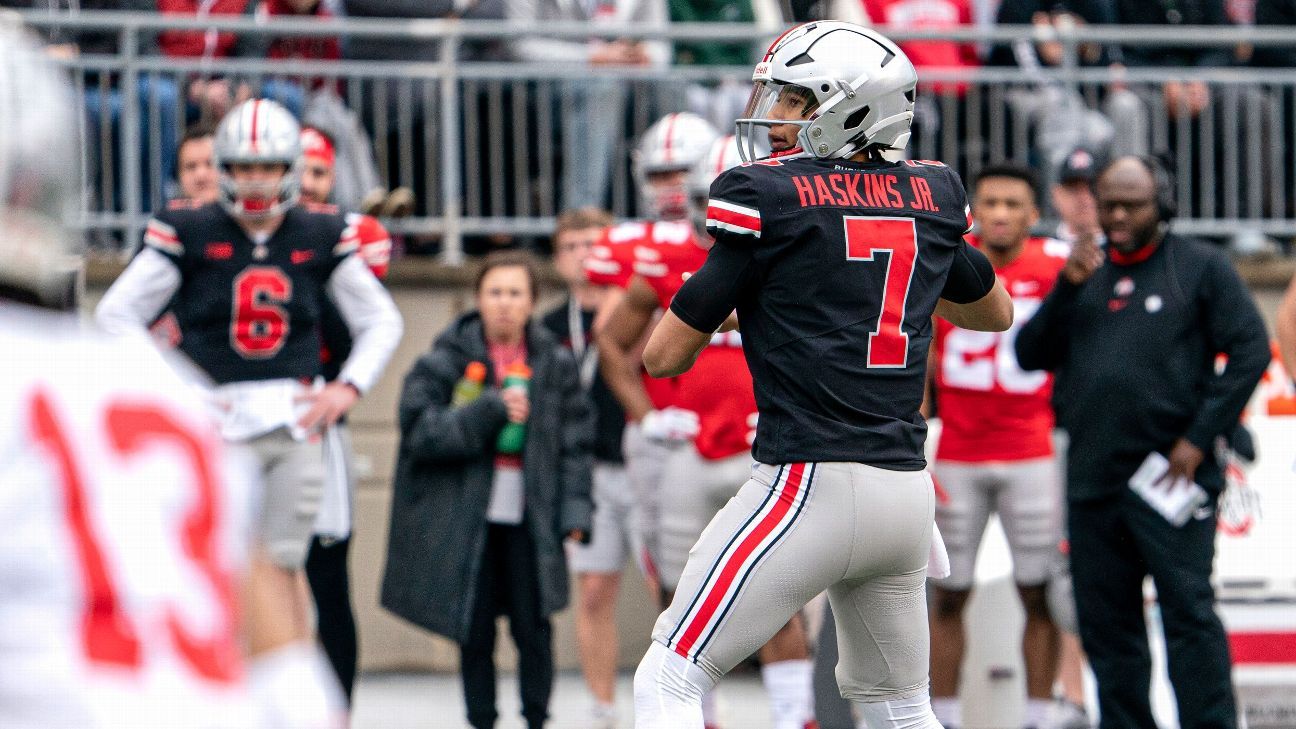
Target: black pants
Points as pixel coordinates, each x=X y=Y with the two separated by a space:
x=330 y=584
x=1115 y=543
x=508 y=585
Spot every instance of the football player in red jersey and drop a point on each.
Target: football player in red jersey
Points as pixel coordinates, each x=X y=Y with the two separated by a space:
x=123 y=518
x=700 y=473
x=995 y=451
x=327 y=569
x=252 y=272
x=662 y=159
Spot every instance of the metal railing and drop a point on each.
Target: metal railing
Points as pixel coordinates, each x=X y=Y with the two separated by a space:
x=483 y=142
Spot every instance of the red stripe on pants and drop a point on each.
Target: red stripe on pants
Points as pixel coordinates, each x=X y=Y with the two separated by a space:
x=710 y=605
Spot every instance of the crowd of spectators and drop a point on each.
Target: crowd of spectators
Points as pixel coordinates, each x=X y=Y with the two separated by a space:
x=387 y=130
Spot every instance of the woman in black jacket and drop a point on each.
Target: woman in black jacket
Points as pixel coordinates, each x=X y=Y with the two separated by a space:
x=476 y=533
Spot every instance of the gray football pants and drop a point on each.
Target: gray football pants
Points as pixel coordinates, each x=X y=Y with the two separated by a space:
x=793 y=531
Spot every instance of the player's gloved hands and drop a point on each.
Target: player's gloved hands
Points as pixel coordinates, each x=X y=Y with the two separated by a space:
x=670 y=425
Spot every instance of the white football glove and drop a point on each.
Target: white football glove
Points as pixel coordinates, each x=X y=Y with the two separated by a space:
x=670 y=425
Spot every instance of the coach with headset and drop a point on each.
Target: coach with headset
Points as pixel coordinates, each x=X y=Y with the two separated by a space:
x=1133 y=333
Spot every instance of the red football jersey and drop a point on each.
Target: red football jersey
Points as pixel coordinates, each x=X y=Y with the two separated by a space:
x=990 y=409
x=611 y=260
x=718 y=387
x=375 y=242
x=611 y=263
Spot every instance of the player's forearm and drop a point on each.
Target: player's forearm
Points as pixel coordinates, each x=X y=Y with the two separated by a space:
x=991 y=313
x=673 y=347
x=619 y=336
x=373 y=319
x=621 y=373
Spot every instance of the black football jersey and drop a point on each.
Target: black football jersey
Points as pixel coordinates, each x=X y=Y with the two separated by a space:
x=841 y=265
x=247 y=311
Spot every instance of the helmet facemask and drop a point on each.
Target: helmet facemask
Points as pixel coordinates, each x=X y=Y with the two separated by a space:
x=662 y=198
x=773 y=104
x=257 y=201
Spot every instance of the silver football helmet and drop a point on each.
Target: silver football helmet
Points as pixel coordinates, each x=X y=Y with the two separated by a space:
x=847 y=87
x=673 y=143
x=722 y=155
x=258 y=131
x=40 y=261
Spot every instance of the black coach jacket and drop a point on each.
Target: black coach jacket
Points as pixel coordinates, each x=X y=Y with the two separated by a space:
x=1134 y=350
x=444 y=470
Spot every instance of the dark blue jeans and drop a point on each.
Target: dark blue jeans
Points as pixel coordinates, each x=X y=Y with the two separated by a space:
x=157 y=141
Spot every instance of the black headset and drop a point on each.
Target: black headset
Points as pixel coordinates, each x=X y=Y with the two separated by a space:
x=1167 y=206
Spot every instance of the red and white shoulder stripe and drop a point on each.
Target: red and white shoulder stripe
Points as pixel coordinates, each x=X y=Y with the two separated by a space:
x=349 y=242
x=733 y=218
x=162 y=237
x=375 y=242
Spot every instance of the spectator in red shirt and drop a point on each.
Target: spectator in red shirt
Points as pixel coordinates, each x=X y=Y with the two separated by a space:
x=929 y=15
x=289 y=90
x=210 y=96
x=316 y=48
x=934 y=55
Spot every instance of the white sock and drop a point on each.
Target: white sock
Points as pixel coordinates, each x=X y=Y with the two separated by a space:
x=668 y=691
x=914 y=712
x=603 y=714
x=790 y=694
x=711 y=707
x=948 y=710
x=1037 y=712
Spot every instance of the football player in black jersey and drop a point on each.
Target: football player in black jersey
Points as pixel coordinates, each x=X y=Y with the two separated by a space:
x=835 y=259
x=249 y=275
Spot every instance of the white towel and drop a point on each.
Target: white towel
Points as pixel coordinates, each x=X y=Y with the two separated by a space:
x=938 y=563
x=249 y=409
x=333 y=523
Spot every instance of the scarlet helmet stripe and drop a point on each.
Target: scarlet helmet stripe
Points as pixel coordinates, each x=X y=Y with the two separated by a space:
x=256 y=112
x=752 y=542
x=667 y=147
x=770 y=51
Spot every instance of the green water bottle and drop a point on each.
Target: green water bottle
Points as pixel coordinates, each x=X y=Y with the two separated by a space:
x=513 y=437
x=470 y=387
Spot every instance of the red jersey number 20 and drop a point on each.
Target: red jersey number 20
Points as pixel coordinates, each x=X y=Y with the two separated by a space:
x=897 y=238
x=260 y=323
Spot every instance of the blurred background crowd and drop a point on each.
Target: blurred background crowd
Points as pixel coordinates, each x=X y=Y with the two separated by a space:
x=485 y=151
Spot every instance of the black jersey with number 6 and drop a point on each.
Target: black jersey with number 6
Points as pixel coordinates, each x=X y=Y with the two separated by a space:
x=248 y=311
x=835 y=268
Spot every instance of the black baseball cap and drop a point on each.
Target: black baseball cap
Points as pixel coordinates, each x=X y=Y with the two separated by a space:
x=1080 y=165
